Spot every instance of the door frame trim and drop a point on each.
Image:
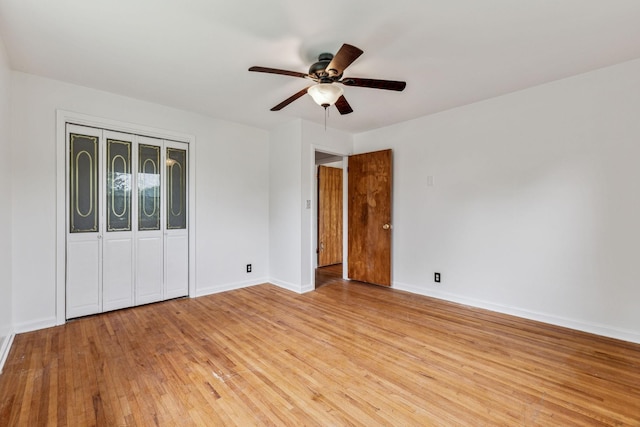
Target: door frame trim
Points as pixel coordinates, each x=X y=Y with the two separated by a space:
x=62 y=118
x=313 y=258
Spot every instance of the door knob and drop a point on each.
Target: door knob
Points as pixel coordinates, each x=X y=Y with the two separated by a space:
x=386 y=227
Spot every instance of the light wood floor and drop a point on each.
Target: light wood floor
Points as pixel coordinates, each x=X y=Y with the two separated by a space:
x=345 y=354
x=328 y=274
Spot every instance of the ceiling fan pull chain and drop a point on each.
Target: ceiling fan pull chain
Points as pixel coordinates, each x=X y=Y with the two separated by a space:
x=326 y=113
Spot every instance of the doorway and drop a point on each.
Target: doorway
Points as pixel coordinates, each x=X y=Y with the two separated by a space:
x=367 y=201
x=329 y=218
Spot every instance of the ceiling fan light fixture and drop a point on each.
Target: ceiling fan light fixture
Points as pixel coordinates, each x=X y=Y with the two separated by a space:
x=325 y=94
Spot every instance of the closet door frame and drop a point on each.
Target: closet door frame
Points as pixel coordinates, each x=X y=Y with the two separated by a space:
x=67 y=117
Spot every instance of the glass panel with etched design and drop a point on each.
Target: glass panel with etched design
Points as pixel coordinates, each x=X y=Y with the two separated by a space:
x=83 y=183
x=148 y=187
x=176 y=188
x=118 y=185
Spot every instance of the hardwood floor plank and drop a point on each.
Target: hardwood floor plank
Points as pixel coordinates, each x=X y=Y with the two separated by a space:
x=345 y=354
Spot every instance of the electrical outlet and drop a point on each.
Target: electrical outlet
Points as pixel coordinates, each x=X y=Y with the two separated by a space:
x=248 y=268
x=436 y=277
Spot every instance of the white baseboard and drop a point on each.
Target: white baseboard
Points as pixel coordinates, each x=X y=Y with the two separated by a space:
x=35 y=325
x=4 y=350
x=307 y=288
x=202 y=291
x=286 y=285
x=592 y=328
x=215 y=289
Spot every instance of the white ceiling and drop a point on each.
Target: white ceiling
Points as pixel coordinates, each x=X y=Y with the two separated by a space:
x=194 y=54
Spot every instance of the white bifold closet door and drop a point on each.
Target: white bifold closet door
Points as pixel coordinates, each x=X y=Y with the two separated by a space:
x=176 y=240
x=150 y=236
x=117 y=238
x=84 y=228
x=127 y=231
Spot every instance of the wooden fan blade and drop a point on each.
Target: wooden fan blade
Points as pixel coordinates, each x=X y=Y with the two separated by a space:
x=374 y=83
x=277 y=71
x=290 y=100
x=343 y=106
x=345 y=56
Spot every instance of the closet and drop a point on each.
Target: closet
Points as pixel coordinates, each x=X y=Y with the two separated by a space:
x=127 y=237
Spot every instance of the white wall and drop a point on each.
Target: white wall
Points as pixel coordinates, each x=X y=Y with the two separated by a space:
x=534 y=208
x=232 y=207
x=292 y=165
x=6 y=327
x=231 y=190
x=285 y=205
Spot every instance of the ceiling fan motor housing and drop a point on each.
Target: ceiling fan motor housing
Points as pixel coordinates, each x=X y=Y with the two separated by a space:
x=319 y=69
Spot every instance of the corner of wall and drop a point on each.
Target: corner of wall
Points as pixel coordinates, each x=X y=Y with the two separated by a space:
x=6 y=209
x=5 y=347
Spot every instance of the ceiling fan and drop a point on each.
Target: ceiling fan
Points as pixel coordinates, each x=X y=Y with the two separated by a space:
x=328 y=71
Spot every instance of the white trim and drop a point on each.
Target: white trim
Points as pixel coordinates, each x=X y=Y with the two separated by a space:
x=592 y=328
x=62 y=118
x=314 y=216
x=288 y=286
x=4 y=349
x=216 y=289
x=308 y=288
x=34 y=325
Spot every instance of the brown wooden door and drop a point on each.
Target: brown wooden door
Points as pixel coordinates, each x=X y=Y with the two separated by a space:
x=329 y=216
x=370 y=217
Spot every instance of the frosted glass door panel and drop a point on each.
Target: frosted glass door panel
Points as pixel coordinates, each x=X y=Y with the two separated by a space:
x=149 y=182
x=83 y=183
x=176 y=189
x=119 y=185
